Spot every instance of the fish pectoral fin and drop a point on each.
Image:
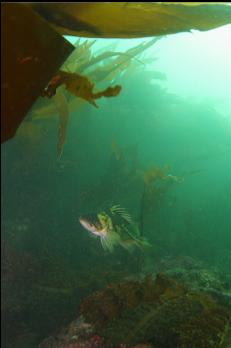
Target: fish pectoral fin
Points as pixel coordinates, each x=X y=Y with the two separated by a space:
x=109 y=241
x=92 y=235
x=105 y=244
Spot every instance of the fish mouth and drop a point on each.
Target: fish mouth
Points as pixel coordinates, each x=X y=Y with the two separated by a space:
x=88 y=225
x=84 y=222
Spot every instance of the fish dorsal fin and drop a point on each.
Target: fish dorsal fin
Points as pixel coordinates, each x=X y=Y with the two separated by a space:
x=118 y=210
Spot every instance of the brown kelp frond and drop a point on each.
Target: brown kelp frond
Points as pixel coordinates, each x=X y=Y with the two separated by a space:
x=80 y=56
x=156 y=172
x=79 y=86
x=62 y=107
x=160 y=173
x=122 y=63
x=97 y=59
x=82 y=60
x=132 y=19
x=85 y=60
x=156 y=182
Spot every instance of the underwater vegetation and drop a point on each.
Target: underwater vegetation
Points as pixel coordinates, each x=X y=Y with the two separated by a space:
x=156 y=183
x=81 y=87
x=123 y=172
x=143 y=151
x=35 y=303
x=48 y=223
x=78 y=85
x=161 y=312
x=197 y=276
x=157 y=313
x=84 y=60
x=133 y=19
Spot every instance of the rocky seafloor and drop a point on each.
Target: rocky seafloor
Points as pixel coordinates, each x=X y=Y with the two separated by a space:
x=180 y=304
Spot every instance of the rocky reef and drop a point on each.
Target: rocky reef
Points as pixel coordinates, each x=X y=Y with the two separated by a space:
x=198 y=276
x=158 y=313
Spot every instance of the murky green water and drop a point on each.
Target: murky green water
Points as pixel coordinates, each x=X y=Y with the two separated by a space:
x=161 y=149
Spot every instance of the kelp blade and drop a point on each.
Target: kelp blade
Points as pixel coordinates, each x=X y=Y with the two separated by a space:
x=134 y=19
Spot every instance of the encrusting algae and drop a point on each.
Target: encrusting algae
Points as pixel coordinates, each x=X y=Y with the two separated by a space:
x=160 y=312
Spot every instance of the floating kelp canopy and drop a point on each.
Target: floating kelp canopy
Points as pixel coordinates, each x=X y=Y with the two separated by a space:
x=132 y=19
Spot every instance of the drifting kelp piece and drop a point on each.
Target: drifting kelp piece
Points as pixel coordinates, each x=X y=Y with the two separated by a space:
x=83 y=61
x=80 y=86
x=156 y=172
x=160 y=173
x=132 y=19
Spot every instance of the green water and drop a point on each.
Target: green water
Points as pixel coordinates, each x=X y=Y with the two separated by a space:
x=180 y=119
